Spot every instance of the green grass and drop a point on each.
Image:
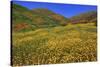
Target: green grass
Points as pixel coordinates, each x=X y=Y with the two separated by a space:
x=61 y=44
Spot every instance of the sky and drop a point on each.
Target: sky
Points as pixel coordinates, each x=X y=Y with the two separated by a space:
x=66 y=10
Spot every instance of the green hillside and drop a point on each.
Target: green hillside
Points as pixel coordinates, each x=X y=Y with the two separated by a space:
x=54 y=16
x=25 y=19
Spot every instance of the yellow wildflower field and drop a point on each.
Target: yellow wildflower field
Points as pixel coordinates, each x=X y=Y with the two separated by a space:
x=61 y=44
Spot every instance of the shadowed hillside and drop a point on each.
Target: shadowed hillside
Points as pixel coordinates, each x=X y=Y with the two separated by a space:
x=87 y=17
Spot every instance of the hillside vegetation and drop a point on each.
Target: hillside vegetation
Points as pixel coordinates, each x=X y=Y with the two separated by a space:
x=40 y=36
x=25 y=19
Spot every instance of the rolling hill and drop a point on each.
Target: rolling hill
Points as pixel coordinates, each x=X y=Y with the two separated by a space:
x=25 y=19
x=87 y=17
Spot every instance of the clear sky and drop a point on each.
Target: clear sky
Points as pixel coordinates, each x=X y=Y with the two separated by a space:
x=67 y=10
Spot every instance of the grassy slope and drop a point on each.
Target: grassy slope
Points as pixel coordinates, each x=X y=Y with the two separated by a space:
x=62 y=44
x=25 y=19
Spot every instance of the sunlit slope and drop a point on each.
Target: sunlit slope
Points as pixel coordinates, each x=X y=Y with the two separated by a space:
x=24 y=19
x=71 y=43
